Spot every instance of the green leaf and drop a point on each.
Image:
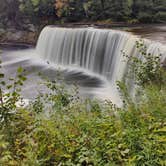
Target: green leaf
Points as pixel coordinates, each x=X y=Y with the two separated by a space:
x=20 y=70
x=9 y=86
x=3 y=83
x=2 y=75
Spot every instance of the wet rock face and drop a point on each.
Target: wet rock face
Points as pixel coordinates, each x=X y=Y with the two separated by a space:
x=31 y=27
x=19 y=36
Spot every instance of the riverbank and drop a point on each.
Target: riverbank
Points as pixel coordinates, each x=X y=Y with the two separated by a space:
x=156 y=32
x=18 y=36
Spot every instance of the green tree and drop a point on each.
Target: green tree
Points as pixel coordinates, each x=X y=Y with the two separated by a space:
x=37 y=10
x=9 y=12
x=159 y=9
x=70 y=10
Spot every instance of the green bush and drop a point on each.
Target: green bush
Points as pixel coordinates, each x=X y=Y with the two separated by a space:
x=61 y=129
x=90 y=133
x=145 y=17
x=145 y=69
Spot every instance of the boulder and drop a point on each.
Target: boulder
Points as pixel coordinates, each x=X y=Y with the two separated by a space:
x=29 y=27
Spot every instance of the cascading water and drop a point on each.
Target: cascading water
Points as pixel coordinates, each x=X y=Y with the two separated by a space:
x=95 y=52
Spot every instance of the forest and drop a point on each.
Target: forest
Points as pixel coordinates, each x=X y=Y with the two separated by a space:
x=19 y=12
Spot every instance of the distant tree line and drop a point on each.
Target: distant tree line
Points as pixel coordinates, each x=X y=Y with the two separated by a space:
x=115 y=10
x=16 y=12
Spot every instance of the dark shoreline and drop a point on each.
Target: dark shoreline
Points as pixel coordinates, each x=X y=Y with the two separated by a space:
x=19 y=37
x=14 y=46
x=106 y=25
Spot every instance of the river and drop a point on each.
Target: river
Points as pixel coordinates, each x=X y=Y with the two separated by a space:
x=151 y=32
x=90 y=85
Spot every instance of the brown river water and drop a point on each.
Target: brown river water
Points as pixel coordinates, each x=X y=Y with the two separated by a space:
x=155 y=33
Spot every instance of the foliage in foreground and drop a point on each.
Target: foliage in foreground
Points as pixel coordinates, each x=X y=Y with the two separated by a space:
x=60 y=129
x=87 y=134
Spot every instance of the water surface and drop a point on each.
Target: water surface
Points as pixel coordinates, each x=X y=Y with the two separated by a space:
x=152 y=32
x=95 y=77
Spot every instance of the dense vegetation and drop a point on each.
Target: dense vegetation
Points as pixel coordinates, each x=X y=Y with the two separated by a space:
x=19 y=12
x=61 y=129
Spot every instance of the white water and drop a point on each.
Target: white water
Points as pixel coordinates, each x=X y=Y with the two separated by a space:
x=95 y=52
x=98 y=51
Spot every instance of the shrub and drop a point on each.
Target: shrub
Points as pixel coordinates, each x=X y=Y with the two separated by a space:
x=145 y=17
x=61 y=129
x=146 y=68
x=90 y=133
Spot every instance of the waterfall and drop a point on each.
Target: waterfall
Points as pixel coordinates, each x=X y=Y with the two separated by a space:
x=98 y=51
